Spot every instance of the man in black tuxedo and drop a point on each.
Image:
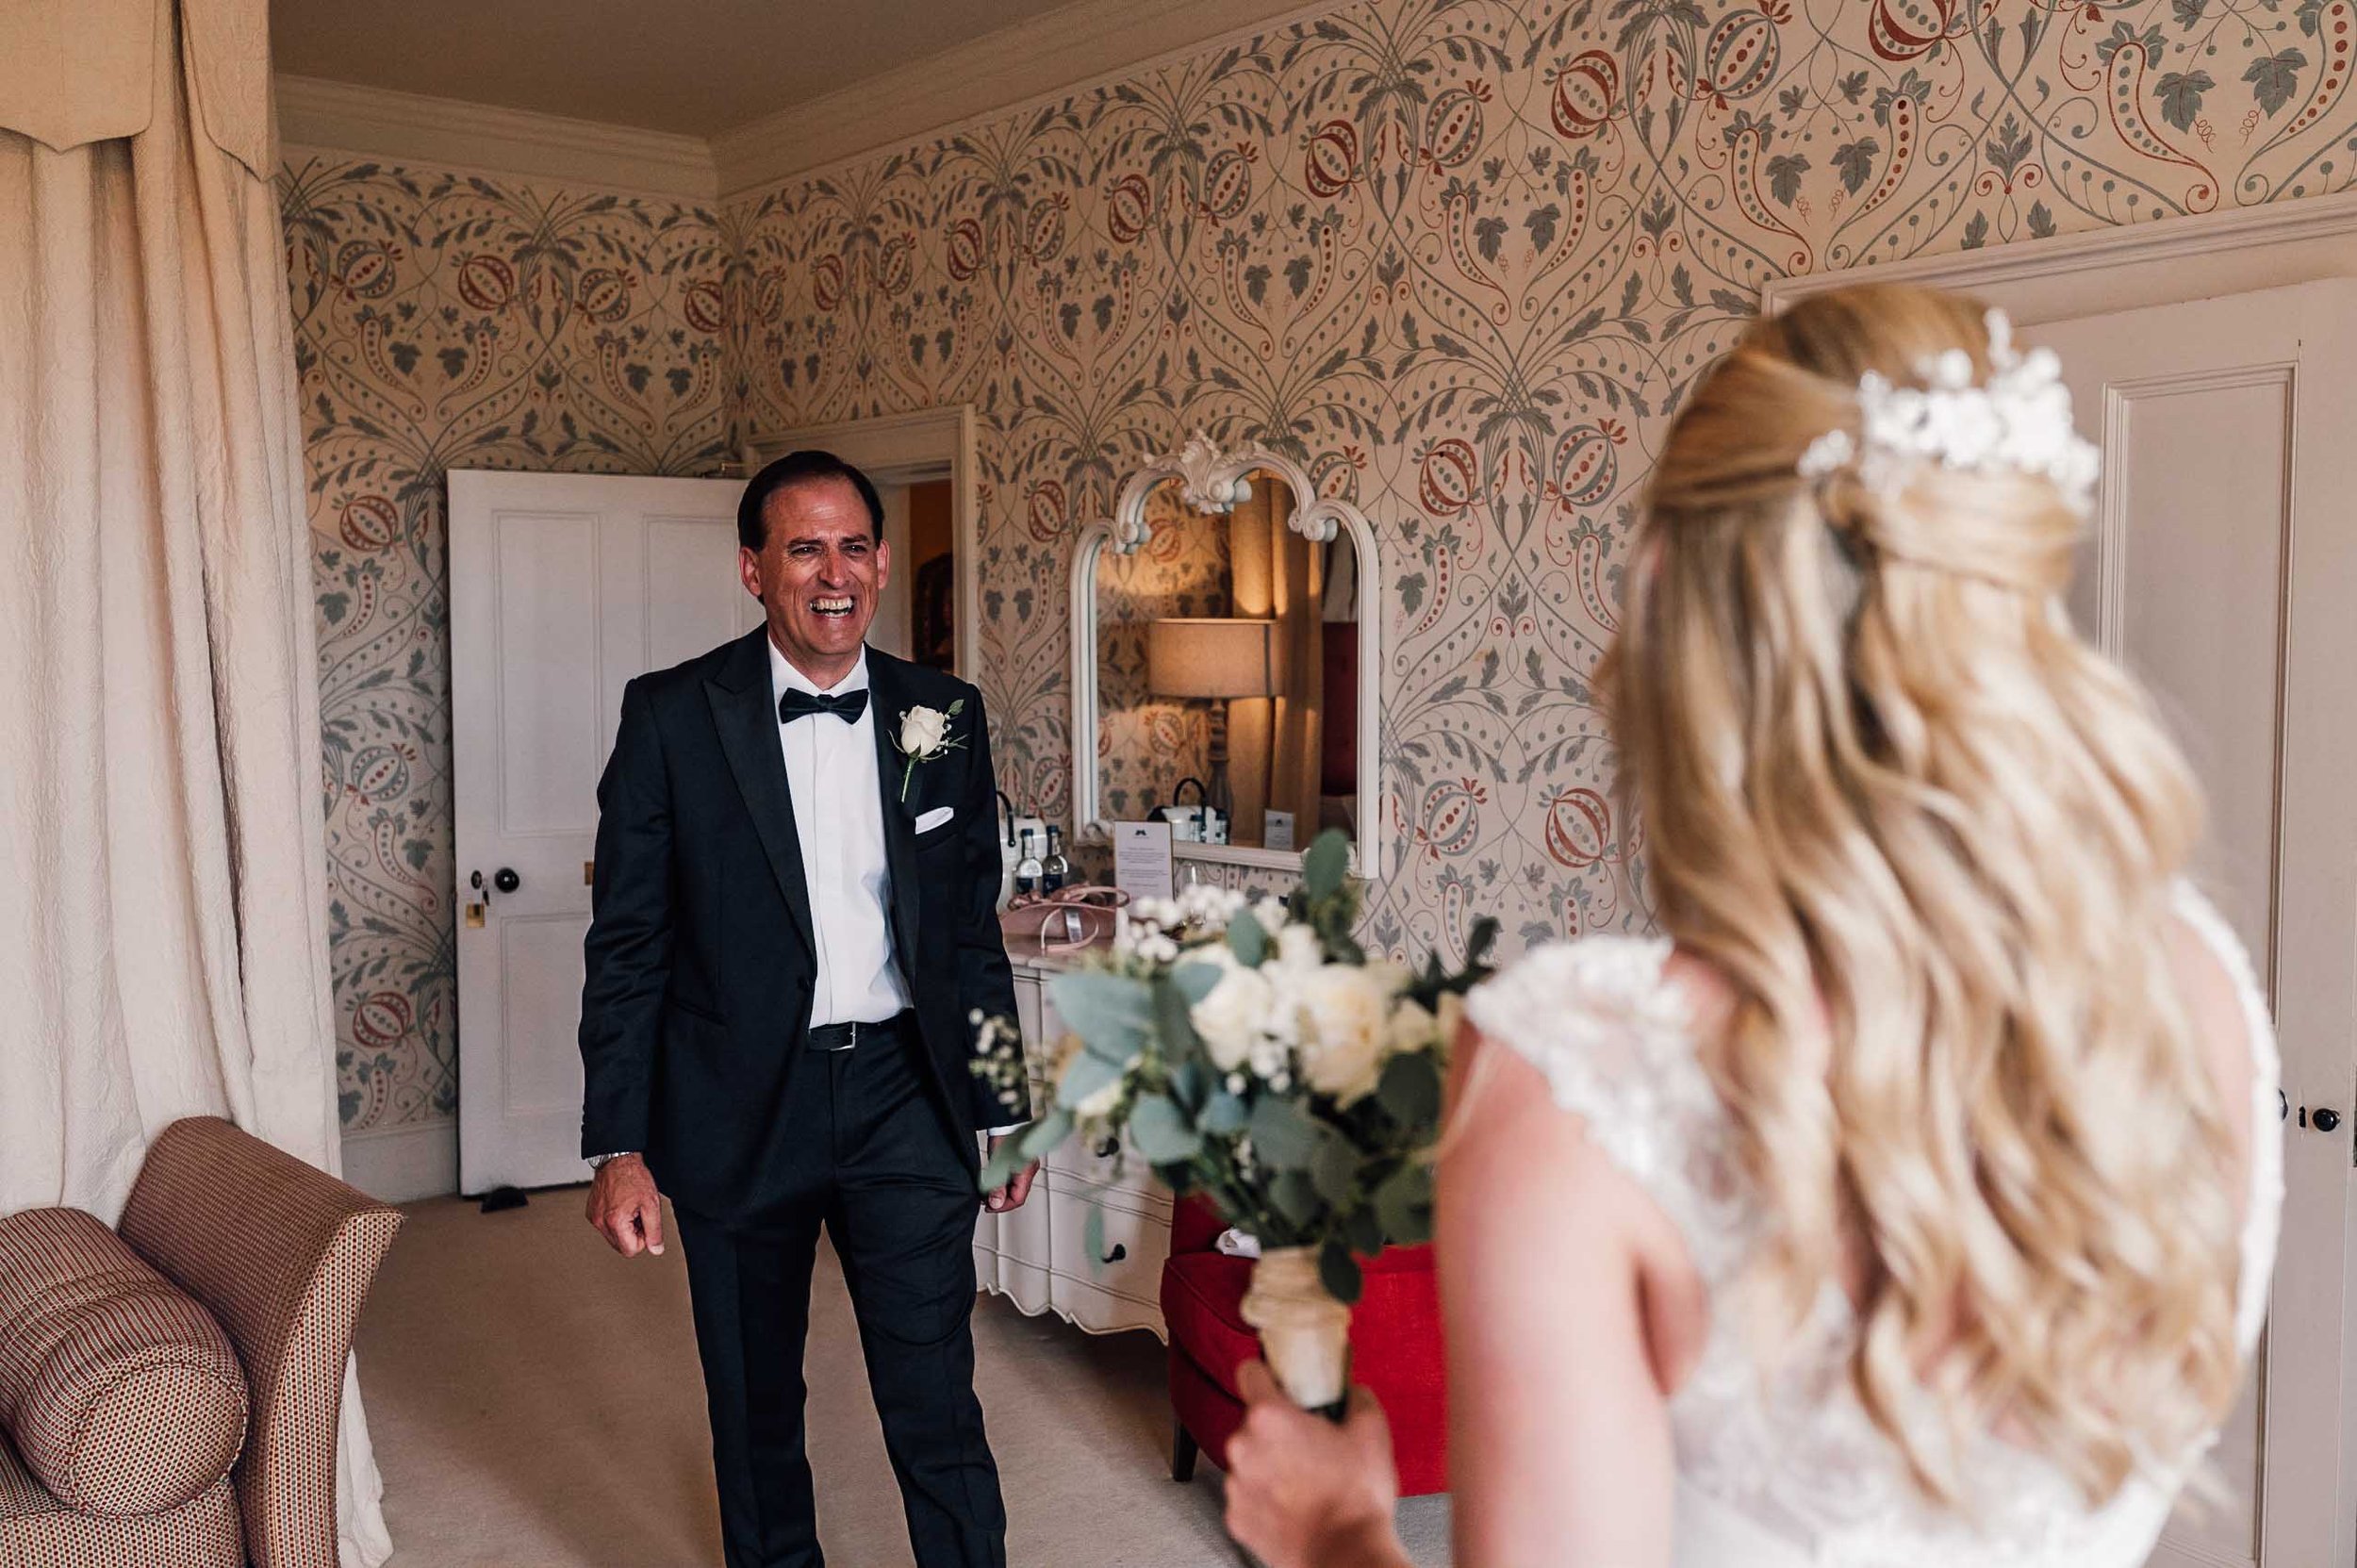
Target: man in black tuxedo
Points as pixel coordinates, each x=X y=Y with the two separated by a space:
x=795 y=886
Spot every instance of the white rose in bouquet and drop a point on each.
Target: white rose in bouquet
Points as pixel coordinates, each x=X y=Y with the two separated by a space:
x=1295 y=950
x=1344 y=1014
x=1236 y=1011
x=1412 y=1027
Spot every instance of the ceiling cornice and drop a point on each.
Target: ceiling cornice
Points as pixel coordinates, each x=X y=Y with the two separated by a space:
x=377 y=123
x=1032 y=61
x=1040 y=58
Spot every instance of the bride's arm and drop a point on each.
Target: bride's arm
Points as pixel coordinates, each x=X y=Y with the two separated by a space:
x=1560 y=1440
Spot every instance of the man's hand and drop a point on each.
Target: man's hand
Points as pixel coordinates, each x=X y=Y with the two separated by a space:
x=1303 y=1492
x=1007 y=1199
x=625 y=1207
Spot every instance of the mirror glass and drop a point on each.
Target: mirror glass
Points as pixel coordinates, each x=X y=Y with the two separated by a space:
x=1227 y=674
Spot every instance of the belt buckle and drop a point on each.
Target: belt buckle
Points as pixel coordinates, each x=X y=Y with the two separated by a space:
x=854 y=1035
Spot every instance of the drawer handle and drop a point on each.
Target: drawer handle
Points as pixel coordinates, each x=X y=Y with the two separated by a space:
x=1120 y=1251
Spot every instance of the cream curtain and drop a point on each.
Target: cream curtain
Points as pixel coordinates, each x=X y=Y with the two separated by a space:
x=163 y=920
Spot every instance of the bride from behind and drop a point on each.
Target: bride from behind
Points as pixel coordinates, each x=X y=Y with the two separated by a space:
x=1910 y=1202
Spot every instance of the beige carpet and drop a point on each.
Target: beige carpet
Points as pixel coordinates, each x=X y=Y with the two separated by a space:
x=536 y=1403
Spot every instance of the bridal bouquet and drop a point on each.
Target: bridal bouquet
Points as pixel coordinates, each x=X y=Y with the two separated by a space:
x=1248 y=1049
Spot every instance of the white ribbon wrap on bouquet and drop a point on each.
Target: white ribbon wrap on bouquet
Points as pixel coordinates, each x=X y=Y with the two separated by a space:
x=1305 y=1333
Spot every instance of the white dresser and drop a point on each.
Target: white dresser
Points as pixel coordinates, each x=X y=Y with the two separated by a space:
x=1038 y=1257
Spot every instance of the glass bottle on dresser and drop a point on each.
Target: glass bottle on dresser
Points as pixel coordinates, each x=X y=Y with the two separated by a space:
x=1028 y=870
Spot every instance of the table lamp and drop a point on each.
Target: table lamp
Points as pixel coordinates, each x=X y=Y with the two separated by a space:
x=1220 y=659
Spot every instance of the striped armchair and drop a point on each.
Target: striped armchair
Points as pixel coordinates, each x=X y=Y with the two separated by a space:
x=280 y=1257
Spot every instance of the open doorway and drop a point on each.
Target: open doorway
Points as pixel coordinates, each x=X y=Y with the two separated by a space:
x=923 y=467
x=917 y=617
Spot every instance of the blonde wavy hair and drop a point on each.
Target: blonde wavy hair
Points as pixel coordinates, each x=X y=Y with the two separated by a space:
x=1928 y=836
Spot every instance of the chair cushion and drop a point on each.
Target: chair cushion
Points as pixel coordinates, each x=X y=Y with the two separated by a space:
x=121 y=1394
x=38 y=1531
x=1203 y=1311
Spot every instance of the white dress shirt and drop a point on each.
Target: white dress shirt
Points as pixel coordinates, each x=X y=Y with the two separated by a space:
x=833 y=773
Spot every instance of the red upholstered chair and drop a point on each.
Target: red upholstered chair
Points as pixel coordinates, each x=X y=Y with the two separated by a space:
x=1395 y=1349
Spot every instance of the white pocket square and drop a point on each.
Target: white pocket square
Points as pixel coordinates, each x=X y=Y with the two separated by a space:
x=936 y=817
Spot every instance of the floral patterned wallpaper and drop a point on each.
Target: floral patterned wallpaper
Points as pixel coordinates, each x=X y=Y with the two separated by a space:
x=446 y=322
x=1461 y=257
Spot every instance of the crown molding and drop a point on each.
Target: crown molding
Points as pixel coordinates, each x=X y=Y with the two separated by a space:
x=1029 y=62
x=344 y=118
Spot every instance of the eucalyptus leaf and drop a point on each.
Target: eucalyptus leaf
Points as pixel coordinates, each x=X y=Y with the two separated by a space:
x=1093 y=1236
x=1283 y=1137
x=1223 y=1115
x=1296 y=1196
x=1335 y=1169
x=1325 y=863
x=1410 y=1092
x=1403 y=1204
x=1161 y=1132
x=1190 y=1083
x=1003 y=1163
x=1111 y=1013
x=1196 y=978
x=1338 y=1271
x=1247 y=939
x=1040 y=1139
x=1364 y=1232
x=1175 y=1030
x=1088 y=1071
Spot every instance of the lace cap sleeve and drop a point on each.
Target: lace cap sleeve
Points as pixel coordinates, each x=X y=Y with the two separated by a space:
x=1613 y=1038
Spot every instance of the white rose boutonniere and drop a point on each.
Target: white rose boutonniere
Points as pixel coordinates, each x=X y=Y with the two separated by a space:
x=925 y=736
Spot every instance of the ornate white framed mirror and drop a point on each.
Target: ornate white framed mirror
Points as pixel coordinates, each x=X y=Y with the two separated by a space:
x=1226 y=650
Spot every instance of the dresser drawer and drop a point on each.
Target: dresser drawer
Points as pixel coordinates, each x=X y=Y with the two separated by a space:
x=1085 y=1165
x=1136 y=1244
x=1028 y=1001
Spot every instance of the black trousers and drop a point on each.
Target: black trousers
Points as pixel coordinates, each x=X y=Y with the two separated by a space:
x=900 y=1205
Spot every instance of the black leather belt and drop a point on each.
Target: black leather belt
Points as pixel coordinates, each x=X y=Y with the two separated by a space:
x=844 y=1036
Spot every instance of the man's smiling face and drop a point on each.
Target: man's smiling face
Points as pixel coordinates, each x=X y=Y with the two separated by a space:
x=819 y=574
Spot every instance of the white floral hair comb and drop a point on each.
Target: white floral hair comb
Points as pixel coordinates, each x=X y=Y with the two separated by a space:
x=2019 y=419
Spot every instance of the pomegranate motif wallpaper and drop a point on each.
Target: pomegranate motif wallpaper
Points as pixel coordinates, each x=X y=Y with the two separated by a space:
x=1460 y=258
x=447 y=321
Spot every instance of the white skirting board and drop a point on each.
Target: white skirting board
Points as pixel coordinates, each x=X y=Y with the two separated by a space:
x=400 y=1165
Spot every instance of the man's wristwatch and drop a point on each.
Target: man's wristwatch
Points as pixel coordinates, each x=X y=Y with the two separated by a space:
x=598 y=1161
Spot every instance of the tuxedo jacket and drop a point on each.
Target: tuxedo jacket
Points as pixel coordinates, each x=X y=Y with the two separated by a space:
x=700 y=960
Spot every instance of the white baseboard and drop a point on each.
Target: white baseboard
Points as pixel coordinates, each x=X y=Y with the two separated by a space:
x=400 y=1165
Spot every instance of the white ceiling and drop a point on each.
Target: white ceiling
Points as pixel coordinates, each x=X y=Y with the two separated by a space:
x=691 y=67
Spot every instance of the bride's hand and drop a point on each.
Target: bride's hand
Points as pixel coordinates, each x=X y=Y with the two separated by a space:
x=1304 y=1493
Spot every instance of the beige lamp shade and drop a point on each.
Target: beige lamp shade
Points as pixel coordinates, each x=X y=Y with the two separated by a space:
x=1207 y=659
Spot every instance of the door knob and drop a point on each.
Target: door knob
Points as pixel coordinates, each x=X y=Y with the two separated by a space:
x=2324 y=1120
x=506 y=881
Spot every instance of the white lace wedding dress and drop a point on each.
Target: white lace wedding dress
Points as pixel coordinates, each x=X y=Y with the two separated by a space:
x=1785 y=1470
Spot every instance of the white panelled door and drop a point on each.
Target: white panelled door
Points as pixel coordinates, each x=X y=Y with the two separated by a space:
x=562 y=587
x=2223 y=569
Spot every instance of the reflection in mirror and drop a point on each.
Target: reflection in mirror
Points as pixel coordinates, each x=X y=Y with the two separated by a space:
x=1227 y=671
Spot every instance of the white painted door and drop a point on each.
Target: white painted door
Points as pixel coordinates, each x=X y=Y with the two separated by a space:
x=562 y=587
x=2223 y=569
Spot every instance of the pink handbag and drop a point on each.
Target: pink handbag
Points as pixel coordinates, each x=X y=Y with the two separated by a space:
x=1066 y=920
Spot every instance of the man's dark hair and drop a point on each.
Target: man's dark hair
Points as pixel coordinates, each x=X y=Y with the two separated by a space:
x=799 y=467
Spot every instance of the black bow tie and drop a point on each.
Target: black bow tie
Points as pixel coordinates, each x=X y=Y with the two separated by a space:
x=798 y=704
